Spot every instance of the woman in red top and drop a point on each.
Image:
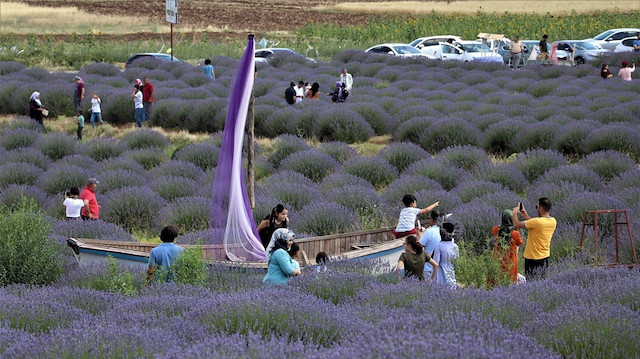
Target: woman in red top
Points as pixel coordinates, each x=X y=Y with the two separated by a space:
x=506 y=243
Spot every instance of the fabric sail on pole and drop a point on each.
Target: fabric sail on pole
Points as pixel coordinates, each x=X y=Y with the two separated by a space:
x=231 y=219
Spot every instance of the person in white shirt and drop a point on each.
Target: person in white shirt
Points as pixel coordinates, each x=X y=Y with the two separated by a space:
x=346 y=79
x=408 y=215
x=300 y=90
x=73 y=204
x=137 y=100
x=95 y=109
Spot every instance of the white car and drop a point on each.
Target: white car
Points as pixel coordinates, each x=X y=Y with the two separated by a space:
x=626 y=45
x=423 y=42
x=448 y=52
x=478 y=52
x=263 y=55
x=609 y=39
x=401 y=50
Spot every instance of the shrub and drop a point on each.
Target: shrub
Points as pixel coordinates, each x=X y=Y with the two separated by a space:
x=628 y=179
x=120 y=163
x=14 y=195
x=577 y=174
x=556 y=192
x=542 y=88
x=507 y=175
x=311 y=163
x=119 y=178
x=295 y=195
x=403 y=155
x=145 y=138
x=59 y=178
x=280 y=122
x=148 y=158
x=375 y=115
x=467 y=158
x=616 y=136
x=21 y=122
x=499 y=138
x=57 y=145
x=177 y=168
x=408 y=184
x=207 y=116
x=608 y=164
x=284 y=146
x=448 y=132
x=363 y=201
x=570 y=140
x=343 y=125
x=114 y=280
x=340 y=151
x=474 y=189
x=26 y=155
x=117 y=109
x=190 y=267
x=473 y=224
x=447 y=176
x=571 y=209
x=375 y=170
x=500 y=200
x=449 y=201
x=96 y=229
x=19 y=173
x=412 y=129
x=102 y=148
x=59 y=101
x=195 y=80
x=19 y=137
x=535 y=163
x=170 y=187
x=186 y=214
x=203 y=155
x=27 y=255
x=133 y=208
x=324 y=218
x=539 y=135
x=9 y=67
x=339 y=180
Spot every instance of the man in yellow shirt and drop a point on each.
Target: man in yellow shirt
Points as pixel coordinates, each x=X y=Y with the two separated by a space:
x=536 y=251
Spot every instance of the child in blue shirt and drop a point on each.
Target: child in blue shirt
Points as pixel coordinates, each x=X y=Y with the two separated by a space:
x=208 y=69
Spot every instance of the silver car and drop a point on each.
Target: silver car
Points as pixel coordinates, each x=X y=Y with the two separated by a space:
x=626 y=45
x=609 y=39
x=581 y=51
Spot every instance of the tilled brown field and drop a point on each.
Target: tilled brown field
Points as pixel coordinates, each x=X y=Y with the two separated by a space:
x=255 y=15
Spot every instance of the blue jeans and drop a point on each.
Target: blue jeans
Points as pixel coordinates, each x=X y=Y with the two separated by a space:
x=96 y=115
x=140 y=116
x=77 y=102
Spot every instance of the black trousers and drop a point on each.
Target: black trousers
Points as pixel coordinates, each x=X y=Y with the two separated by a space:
x=536 y=268
x=80 y=133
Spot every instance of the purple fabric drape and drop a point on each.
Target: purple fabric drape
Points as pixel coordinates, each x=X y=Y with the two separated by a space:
x=231 y=220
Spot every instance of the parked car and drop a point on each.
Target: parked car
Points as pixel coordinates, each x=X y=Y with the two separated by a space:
x=402 y=50
x=609 y=39
x=263 y=55
x=626 y=45
x=448 y=52
x=479 y=52
x=157 y=55
x=581 y=51
x=423 y=42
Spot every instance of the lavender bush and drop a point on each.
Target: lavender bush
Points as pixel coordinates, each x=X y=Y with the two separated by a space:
x=375 y=170
x=311 y=163
x=26 y=155
x=19 y=173
x=17 y=138
x=322 y=218
x=145 y=138
x=132 y=207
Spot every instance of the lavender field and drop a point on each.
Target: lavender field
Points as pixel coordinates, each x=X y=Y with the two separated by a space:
x=478 y=138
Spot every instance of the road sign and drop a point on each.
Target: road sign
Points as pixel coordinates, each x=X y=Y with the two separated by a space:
x=172 y=11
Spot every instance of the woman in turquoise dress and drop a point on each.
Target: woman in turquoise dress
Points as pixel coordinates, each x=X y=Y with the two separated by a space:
x=281 y=266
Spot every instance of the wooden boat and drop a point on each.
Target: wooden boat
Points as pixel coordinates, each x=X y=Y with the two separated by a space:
x=369 y=244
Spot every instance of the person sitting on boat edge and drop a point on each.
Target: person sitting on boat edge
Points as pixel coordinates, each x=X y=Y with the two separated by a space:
x=280 y=267
x=162 y=256
x=413 y=260
x=408 y=215
x=278 y=218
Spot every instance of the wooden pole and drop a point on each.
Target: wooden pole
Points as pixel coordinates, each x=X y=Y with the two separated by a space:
x=171 y=42
x=250 y=153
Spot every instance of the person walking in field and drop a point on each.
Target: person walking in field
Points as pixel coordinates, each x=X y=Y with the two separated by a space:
x=36 y=108
x=78 y=94
x=408 y=215
x=164 y=255
x=208 y=69
x=541 y=229
x=147 y=96
x=91 y=209
x=544 y=49
x=626 y=70
x=346 y=79
x=80 y=125
x=96 y=112
x=515 y=52
x=138 y=106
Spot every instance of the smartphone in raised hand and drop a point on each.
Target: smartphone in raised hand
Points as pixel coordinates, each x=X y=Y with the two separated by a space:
x=521 y=207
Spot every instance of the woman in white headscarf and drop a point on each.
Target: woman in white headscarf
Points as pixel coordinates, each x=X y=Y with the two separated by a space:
x=280 y=264
x=35 y=107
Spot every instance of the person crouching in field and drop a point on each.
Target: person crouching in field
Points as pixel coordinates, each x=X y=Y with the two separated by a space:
x=408 y=215
x=413 y=260
x=541 y=229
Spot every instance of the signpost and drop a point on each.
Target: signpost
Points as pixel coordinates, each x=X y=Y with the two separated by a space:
x=172 y=18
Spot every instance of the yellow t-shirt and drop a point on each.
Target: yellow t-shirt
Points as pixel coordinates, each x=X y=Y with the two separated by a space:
x=539 y=239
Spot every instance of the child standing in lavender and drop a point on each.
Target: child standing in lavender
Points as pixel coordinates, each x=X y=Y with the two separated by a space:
x=80 y=125
x=96 y=112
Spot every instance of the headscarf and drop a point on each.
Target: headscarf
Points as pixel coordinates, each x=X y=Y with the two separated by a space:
x=279 y=240
x=76 y=78
x=339 y=88
x=36 y=97
x=504 y=232
x=138 y=82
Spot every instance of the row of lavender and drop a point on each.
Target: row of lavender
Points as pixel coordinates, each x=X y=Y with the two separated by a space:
x=586 y=313
x=329 y=189
x=433 y=104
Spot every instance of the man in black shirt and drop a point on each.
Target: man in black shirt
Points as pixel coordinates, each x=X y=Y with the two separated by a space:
x=544 y=49
x=290 y=94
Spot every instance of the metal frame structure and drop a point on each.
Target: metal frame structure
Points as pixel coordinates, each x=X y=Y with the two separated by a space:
x=615 y=213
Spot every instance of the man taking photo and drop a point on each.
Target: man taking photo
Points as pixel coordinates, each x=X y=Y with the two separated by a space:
x=541 y=229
